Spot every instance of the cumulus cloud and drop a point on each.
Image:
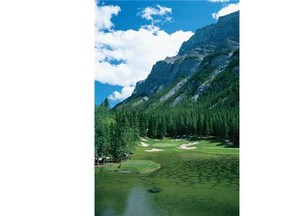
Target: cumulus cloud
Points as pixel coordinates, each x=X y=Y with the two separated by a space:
x=222 y=1
x=125 y=57
x=134 y=52
x=226 y=10
x=156 y=14
x=104 y=15
x=125 y=92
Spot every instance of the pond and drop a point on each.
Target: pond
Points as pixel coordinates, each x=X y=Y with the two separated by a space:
x=191 y=183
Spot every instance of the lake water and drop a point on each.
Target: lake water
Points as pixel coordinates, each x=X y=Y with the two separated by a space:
x=192 y=184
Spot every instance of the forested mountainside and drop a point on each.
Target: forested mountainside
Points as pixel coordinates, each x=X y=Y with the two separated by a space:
x=195 y=92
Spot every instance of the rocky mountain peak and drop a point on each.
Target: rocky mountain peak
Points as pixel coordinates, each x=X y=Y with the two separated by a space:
x=222 y=36
x=227 y=27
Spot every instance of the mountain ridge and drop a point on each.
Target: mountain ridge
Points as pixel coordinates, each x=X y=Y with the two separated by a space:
x=216 y=42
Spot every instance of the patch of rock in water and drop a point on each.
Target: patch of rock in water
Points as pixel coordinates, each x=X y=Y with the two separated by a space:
x=154 y=190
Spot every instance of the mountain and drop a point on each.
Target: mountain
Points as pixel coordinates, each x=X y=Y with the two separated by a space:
x=213 y=47
x=202 y=81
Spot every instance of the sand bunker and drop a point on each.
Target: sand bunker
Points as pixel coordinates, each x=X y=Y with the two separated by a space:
x=154 y=150
x=145 y=140
x=187 y=146
x=144 y=144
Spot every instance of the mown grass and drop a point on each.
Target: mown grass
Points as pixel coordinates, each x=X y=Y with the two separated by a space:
x=164 y=145
x=206 y=146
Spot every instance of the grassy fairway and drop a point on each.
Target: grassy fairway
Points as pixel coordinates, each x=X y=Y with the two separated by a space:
x=210 y=146
x=164 y=145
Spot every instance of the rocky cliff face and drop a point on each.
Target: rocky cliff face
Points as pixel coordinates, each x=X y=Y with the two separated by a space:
x=222 y=35
x=211 y=48
x=165 y=72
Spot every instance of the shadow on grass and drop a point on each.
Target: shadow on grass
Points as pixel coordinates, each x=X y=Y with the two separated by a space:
x=227 y=145
x=212 y=140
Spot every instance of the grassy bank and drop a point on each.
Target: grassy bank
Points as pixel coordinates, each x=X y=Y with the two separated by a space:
x=131 y=166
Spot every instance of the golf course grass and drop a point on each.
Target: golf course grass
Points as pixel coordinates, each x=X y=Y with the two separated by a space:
x=164 y=145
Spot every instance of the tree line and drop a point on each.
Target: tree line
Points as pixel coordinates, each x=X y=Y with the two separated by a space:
x=220 y=123
x=117 y=130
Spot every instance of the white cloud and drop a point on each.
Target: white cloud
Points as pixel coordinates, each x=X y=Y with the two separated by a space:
x=125 y=57
x=149 y=13
x=222 y=1
x=226 y=10
x=136 y=51
x=103 y=16
x=157 y=15
x=152 y=28
x=125 y=93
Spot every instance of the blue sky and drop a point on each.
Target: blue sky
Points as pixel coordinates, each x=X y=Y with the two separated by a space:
x=130 y=36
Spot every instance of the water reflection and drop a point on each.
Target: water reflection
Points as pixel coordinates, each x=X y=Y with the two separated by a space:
x=197 y=186
x=138 y=203
x=109 y=211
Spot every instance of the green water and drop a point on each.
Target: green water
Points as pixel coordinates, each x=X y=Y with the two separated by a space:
x=193 y=183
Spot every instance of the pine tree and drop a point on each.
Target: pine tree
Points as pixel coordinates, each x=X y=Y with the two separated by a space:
x=106 y=103
x=162 y=129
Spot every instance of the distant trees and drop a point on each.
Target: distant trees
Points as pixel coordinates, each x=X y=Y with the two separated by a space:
x=222 y=124
x=117 y=131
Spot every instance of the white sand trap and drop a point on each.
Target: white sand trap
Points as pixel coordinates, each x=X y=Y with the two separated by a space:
x=145 y=140
x=191 y=144
x=186 y=146
x=154 y=150
x=144 y=144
